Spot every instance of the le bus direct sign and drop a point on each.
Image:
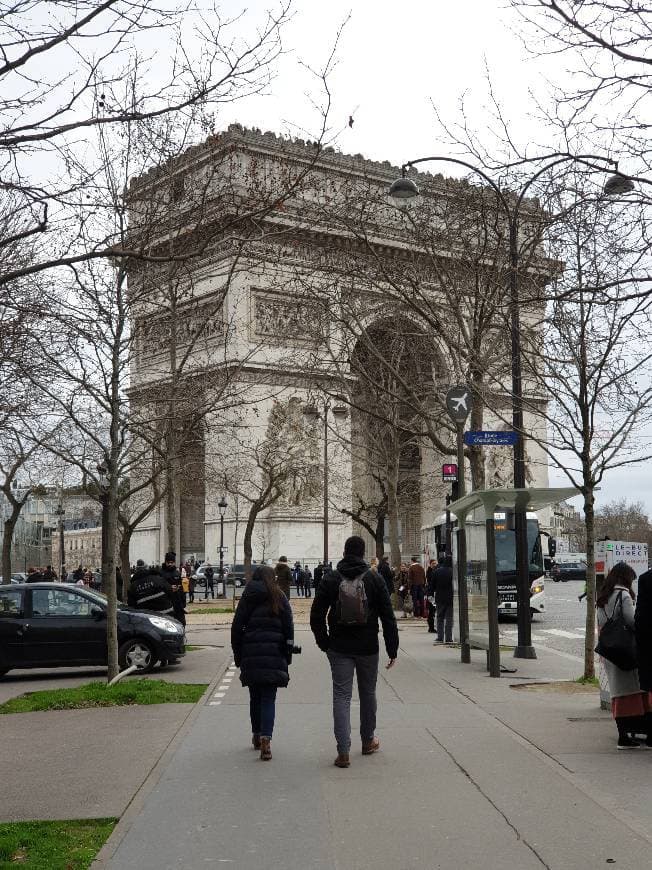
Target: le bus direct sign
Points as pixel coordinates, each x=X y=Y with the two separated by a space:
x=449 y=473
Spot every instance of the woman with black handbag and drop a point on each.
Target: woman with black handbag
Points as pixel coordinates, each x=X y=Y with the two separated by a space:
x=615 y=604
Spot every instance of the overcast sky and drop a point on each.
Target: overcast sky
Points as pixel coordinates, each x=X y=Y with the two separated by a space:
x=394 y=61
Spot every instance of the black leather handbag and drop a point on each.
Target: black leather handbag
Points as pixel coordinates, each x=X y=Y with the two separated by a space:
x=616 y=641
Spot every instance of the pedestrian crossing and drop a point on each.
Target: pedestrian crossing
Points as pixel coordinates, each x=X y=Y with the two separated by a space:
x=225 y=685
x=544 y=634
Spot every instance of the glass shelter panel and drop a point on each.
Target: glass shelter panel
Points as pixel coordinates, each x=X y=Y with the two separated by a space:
x=476 y=577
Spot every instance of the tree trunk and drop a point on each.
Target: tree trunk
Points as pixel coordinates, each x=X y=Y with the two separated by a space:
x=476 y=453
x=125 y=567
x=110 y=514
x=236 y=524
x=10 y=525
x=246 y=544
x=171 y=499
x=392 y=513
x=380 y=536
x=589 y=640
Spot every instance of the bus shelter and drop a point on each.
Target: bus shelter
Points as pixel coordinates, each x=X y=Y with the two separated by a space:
x=476 y=556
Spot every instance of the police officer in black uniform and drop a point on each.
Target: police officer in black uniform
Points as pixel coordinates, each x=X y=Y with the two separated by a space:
x=149 y=591
x=171 y=573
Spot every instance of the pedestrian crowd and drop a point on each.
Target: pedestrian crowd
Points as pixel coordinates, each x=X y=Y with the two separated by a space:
x=350 y=602
x=426 y=594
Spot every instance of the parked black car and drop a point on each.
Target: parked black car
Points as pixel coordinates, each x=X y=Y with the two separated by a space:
x=568 y=571
x=237 y=574
x=53 y=625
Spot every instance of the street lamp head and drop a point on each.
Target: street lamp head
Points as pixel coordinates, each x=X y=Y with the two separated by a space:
x=618 y=184
x=222 y=505
x=340 y=411
x=403 y=189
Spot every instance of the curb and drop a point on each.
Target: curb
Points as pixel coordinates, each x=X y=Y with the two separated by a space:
x=135 y=805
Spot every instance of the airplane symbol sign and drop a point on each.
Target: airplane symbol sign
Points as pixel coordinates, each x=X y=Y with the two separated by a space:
x=458 y=403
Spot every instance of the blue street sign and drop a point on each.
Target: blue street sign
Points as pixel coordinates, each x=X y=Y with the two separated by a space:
x=491 y=439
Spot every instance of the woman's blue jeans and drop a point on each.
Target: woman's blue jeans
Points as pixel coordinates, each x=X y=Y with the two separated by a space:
x=262 y=708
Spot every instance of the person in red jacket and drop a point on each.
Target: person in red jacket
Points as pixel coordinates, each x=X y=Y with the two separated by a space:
x=416 y=584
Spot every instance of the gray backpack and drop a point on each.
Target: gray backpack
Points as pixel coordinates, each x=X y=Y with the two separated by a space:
x=352 y=603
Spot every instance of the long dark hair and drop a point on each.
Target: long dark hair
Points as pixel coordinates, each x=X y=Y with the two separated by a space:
x=266 y=575
x=620 y=575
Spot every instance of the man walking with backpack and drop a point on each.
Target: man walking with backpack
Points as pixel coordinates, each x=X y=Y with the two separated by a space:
x=344 y=620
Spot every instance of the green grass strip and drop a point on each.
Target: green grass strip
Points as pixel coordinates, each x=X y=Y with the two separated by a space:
x=588 y=681
x=210 y=610
x=65 y=845
x=128 y=692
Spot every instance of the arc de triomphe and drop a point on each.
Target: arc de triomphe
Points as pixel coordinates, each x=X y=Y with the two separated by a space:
x=263 y=322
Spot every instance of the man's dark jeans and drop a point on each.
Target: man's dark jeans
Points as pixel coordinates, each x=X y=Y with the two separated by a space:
x=262 y=709
x=431 y=617
x=417 y=599
x=366 y=670
x=445 y=618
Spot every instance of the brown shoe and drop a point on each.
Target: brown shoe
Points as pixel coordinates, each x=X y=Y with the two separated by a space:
x=255 y=741
x=372 y=746
x=342 y=760
x=265 y=749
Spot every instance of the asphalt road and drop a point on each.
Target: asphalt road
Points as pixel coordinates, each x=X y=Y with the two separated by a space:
x=562 y=626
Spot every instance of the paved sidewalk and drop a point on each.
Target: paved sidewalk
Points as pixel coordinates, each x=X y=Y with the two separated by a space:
x=472 y=773
x=73 y=764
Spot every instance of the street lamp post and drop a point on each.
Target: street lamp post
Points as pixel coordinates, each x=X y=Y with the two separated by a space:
x=405 y=189
x=313 y=413
x=60 y=514
x=222 y=505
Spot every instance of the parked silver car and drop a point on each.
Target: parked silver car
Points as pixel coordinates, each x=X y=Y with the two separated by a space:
x=200 y=579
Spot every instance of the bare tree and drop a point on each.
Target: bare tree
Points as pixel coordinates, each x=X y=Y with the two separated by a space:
x=609 y=41
x=14 y=462
x=263 y=471
x=85 y=66
x=590 y=363
x=621 y=520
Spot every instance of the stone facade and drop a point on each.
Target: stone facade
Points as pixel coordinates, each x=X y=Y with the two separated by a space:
x=82 y=543
x=256 y=317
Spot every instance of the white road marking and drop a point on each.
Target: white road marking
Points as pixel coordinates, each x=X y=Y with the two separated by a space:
x=219 y=694
x=559 y=632
x=539 y=638
x=214 y=703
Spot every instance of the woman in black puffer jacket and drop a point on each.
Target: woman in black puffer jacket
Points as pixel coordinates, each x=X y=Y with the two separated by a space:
x=262 y=635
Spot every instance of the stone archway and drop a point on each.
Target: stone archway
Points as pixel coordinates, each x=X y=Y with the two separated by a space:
x=393 y=365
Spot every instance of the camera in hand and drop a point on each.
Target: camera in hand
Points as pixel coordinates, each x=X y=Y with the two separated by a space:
x=294 y=649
